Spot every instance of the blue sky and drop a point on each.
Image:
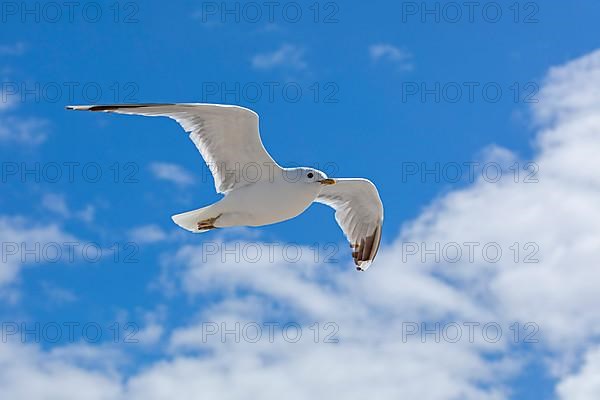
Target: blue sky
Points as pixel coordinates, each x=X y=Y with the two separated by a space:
x=361 y=69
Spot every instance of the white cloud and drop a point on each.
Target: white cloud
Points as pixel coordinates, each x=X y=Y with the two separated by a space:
x=321 y=371
x=585 y=384
x=393 y=54
x=27 y=372
x=150 y=334
x=369 y=310
x=287 y=56
x=172 y=172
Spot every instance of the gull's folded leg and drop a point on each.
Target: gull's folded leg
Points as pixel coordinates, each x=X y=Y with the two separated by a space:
x=207 y=223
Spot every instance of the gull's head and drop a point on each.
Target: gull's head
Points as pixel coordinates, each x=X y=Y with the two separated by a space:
x=310 y=176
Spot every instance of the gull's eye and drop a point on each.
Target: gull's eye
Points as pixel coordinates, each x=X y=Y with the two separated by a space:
x=310 y=175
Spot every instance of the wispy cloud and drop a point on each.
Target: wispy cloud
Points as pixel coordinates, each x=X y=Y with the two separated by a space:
x=172 y=172
x=57 y=203
x=287 y=56
x=6 y=102
x=147 y=234
x=390 y=53
x=22 y=234
x=58 y=294
x=16 y=49
x=14 y=129
x=87 y=214
x=25 y=131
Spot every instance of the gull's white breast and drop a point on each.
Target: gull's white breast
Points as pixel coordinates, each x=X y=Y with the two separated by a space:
x=265 y=202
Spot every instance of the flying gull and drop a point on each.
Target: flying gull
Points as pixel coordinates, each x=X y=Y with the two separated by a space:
x=228 y=139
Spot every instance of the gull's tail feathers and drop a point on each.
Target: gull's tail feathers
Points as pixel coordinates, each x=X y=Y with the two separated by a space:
x=197 y=221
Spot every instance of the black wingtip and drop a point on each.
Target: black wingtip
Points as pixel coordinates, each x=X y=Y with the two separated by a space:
x=115 y=107
x=125 y=106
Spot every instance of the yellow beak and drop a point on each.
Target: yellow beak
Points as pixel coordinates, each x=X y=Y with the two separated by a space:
x=327 y=182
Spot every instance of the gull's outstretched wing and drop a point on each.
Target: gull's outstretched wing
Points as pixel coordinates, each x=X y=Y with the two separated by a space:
x=359 y=212
x=226 y=136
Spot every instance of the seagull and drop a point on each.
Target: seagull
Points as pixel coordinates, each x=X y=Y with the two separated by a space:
x=257 y=191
